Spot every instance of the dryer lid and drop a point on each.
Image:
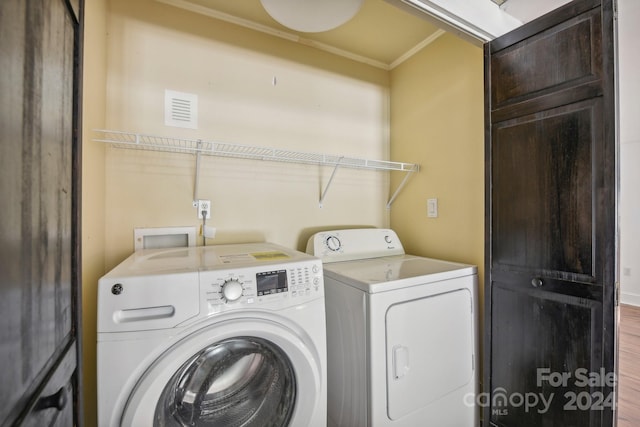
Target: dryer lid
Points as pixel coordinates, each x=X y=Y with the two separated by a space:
x=395 y=272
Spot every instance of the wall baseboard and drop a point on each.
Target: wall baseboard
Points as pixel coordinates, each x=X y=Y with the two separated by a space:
x=631 y=299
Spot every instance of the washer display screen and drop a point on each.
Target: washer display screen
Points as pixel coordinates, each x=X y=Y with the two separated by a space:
x=271 y=282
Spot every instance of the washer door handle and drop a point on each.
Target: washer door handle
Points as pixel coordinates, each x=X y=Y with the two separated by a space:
x=146 y=313
x=400 y=361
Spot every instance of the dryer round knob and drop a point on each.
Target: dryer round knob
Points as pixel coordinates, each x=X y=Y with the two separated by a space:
x=536 y=282
x=333 y=243
x=232 y=290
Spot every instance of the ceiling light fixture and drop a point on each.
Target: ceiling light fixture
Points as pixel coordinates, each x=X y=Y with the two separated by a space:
x=312 y=16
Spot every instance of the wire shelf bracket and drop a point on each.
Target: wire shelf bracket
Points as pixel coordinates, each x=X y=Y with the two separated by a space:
x=326 y=188
x=199 y=147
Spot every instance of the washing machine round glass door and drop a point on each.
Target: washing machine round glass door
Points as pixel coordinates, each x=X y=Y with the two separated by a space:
x=242 y=381
x=241 y=372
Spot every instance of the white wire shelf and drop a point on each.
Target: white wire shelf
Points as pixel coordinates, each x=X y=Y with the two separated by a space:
x=137 y=141
x=192 y=146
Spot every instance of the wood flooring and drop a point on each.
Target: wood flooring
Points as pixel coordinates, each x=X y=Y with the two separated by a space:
x=629 y=367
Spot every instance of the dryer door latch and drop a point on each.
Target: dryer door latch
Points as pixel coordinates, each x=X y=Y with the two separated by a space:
x=400 y=361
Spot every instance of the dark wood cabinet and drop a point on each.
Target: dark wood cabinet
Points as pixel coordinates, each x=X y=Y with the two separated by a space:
x=550 y=289
x=40 y=194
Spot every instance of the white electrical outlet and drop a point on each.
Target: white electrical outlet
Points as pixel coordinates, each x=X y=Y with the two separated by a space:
x=204 y=206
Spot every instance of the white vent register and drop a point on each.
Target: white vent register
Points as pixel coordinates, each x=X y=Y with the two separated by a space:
x=180 y=109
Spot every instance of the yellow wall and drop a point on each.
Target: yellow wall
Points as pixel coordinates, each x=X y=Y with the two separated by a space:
x=252 y=89
x=437 y=121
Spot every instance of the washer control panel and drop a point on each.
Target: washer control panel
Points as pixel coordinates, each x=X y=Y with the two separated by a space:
x=272 y=286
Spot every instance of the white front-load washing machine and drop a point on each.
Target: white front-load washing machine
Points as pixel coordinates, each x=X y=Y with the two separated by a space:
x=226 y=335
x=401 y=333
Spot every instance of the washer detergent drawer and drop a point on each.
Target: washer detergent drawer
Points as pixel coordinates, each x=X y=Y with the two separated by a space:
x=423 y=367
x=141 y=303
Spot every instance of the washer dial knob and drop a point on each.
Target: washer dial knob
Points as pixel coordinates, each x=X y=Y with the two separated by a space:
x=333 y=243
x=232 y=290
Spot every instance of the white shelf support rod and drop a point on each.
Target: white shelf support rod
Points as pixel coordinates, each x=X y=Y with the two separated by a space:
x=395 y=194
x=326 y=188
x=196 y=178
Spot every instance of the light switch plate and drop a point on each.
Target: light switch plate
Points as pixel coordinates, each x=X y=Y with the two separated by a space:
x=432 y=208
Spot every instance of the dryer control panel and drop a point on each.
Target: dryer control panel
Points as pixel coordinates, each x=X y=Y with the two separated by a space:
x=354 y=244
x=272 y=286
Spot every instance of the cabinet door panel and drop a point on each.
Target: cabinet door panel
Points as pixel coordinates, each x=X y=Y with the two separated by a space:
x=553 y=66
x=38 y=151
x=576 y=42
x=544 y=186
x=545 y=375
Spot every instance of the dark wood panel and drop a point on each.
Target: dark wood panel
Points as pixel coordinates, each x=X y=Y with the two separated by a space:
x=572 y=327
x=524 y=80
x=12 y=60
x=543 y=217
x=573 y=42
x=45 y=258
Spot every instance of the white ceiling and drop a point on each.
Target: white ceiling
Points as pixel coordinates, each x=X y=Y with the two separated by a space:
x=526 y=10
x=384 y=32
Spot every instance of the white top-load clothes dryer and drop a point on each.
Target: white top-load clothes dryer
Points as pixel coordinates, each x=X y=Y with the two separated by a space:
x=401 y=333
x=225 y=335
